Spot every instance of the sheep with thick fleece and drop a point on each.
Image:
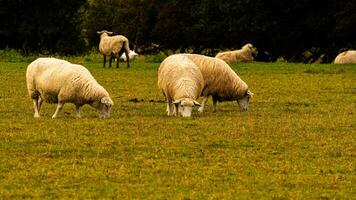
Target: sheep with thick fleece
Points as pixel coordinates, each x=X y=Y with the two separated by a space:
x=181 y=82
x=113 y=46
x=245 y=54
x=58 y=81
x=221 y=82
x=346 y=57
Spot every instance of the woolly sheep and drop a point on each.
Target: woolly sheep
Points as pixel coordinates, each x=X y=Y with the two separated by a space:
x=132 y=55
x=221 y=82
x=181 y=82
x=113 y=46
x=245 y=54
x=58 y=81
x=346 y=57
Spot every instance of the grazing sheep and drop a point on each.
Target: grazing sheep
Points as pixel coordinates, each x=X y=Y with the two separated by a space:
x=181 y=82
x=132 y=55
x=245 y=54
x=113 y=46
x=346 y=57
x=221 y=82
x=58 y=81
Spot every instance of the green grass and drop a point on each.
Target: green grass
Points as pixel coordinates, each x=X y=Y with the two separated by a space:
x=297 y=141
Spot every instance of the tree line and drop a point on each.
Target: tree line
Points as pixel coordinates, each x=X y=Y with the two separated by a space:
x=297 y=30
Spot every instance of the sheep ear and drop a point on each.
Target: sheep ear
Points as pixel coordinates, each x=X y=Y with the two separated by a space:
x=196 y=103
x=110 y=33
x=177 y=101
x=99 y=32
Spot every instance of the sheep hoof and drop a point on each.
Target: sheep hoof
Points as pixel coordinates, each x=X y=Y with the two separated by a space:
x=201 y=109
x=53 y=117
x=36 y=116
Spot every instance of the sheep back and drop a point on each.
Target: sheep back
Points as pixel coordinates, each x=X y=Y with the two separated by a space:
x=242 y=55
x=235 y=56
x=112 y=45
x=346 y=57
x=220 y=80
x=179 y=77
x=58 y=80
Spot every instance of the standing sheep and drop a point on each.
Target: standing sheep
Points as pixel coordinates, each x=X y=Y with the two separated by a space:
x=221 y=82
x=245 y=54
x=181 y=82
x=113 y=46
x=346 y=57
x=58 y=81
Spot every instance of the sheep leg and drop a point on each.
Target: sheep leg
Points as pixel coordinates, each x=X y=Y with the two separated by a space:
x=175 y=110
x=201 y=109
x=77 y=107
x=214 y=104
x=35 y=106
x=169 y=110
x=59 y=108
x=40 y=101
x=117 y=61
x=127 y=58
x=104 y=61
x=110 y=61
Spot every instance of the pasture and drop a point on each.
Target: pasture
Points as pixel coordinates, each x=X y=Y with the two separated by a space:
x=297 y=141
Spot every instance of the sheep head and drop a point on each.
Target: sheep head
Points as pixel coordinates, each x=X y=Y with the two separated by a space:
x=251 y=48
x=103 y=106
x=185 y=106
x=243 y=102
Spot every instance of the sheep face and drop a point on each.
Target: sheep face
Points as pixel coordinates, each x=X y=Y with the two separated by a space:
x=103 y=106
x=185 y=106
x=251 y=48
x=243 y=102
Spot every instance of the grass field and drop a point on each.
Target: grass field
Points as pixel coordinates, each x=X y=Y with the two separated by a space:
x=297 y=141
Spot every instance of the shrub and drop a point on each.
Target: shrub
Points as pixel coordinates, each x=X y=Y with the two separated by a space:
x=156 y=58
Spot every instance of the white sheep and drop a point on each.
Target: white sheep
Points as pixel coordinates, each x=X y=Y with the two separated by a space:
x=221 y=82
x=245 y=54
x=58 y=81
x=113 y=46
x=346 y=57
x=181 y=82
x=132 y=55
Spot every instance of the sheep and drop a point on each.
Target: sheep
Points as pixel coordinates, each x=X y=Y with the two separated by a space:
x=221 y=82
x=113 y=46
x=245 y=54
x=58 y=81
x=132 y=55
x=181 y=82
x=346 y=57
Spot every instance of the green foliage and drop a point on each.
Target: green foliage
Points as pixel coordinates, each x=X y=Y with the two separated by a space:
x=156 y=58
x=294 y=30
x=297 y=141
x=12 y=55
x=42 y=26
